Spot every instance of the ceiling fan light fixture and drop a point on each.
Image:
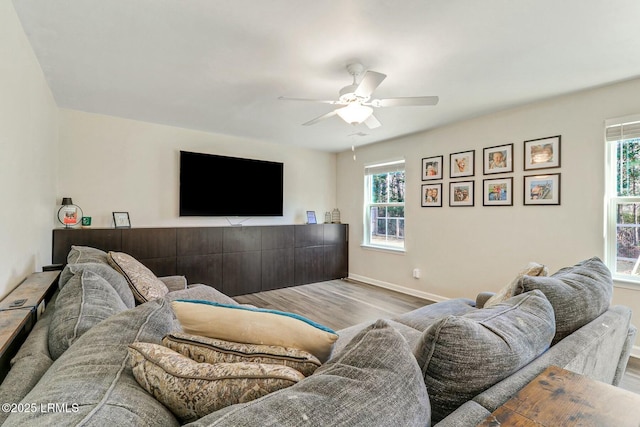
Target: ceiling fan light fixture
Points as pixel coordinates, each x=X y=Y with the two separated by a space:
x=355 y=113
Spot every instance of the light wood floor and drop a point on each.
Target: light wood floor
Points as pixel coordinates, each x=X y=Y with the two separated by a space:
x=339 y=304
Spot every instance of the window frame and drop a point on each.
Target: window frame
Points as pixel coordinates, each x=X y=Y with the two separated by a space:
x=369 y=171
x=611 y=198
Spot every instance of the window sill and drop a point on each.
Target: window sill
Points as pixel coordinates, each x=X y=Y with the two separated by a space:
x=620 y=282
x=383 y=249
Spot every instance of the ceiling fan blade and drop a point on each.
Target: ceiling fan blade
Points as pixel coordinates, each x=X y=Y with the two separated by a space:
x=372 y=122
x=322 y=117
x=408 y=101
x=323 y=101
x=369 y=83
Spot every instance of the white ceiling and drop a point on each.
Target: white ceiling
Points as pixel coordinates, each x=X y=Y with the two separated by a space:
x=220 y=66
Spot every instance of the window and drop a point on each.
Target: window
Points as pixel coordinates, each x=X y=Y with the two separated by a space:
x=623 y=197
x=384 y=205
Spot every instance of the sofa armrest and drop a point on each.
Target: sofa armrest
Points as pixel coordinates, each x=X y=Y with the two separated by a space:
x=174 y=283
x=482 y=298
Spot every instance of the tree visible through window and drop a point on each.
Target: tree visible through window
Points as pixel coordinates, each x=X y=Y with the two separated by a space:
x=384 y=199
x=623 y=230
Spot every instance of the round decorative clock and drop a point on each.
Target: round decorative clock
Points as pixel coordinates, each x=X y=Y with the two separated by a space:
x=69 y=214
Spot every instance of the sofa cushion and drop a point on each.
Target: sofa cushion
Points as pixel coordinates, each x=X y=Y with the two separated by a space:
x=86 y=300
x=200 y=292
x=115 y=279
x=374 y=381
x=79 y=254
x=254 y=326
x=210 y=350
x=94 y=379
x=144 y=284
x=191 y=389
x=511 y=289
x=461 y=356
x=423 y=317
x=578 y=294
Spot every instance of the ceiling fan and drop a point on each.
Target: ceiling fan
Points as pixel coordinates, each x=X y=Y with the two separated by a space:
x=356 y=101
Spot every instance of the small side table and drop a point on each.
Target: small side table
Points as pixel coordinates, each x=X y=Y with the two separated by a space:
x=558 y=397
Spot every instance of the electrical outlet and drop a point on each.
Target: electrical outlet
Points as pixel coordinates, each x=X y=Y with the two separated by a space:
x=416 y=273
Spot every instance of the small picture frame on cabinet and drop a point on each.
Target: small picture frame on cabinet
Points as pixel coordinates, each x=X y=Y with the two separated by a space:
x=311 y=217
x=121 y=220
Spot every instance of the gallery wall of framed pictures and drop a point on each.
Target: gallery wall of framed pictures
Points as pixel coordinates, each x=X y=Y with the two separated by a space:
x=498 y=187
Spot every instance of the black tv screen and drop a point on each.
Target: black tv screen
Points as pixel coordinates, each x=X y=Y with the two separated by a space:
x=212 y=185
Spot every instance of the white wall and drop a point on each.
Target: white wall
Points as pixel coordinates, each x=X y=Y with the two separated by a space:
x=28 y=156
x=111 y=164
x=465 y=250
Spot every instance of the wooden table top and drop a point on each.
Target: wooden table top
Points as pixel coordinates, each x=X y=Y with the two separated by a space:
x=558 y=397
x=33 y=290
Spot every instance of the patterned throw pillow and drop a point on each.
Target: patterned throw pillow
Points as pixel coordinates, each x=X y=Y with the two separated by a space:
x=210 y=350
x=191 y=389
x=532 y=269
x=254 y=326
x=144 y=284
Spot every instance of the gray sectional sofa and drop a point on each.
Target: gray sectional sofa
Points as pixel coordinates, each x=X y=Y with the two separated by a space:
x=447 y=364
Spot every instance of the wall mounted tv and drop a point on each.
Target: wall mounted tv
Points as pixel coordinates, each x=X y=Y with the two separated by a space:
x=212 y=185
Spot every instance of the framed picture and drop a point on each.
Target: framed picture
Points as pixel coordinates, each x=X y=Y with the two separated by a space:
x=542 y=189
x=498 y=159
x=498 y=192
x=542 y=153
x=311 y=217
x=121 y=220
x=431 y=195
x=461 y=193
x=432 y=168
x=462 y=164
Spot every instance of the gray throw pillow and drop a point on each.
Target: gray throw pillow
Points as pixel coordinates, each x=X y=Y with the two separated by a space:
x=461 y=356
x=374 y=381
x=93 y=379
x=115 y=279
x=578 y=294
x=79 y=254
x=82 y=303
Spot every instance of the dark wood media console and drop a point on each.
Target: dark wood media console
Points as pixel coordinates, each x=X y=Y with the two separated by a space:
x=234 y=260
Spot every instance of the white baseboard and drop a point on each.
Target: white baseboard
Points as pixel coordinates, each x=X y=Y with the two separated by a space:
x=401 y=289
x=635 y=351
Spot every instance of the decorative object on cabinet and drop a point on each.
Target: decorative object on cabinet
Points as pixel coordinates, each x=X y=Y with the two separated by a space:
x=542 y=153
x=69 y=214
x=542 y=189
x=461 y=193
x=327 y=217
x=462 y=164
x=498 y=159
x=311 y=217
x=431 y=195
x=498 y=192
x=335 y=216
x=121 y=220
x=432 y=168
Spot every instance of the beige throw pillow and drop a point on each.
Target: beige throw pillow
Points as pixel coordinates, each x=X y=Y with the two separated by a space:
x=254 y=326
x=191 y=389
x=144 y=284
x=532 y=269
x=210 y=350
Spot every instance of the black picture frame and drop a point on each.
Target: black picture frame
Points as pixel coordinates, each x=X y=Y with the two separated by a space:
x=121 y=220
x=432 y=168
x=504 y=165
x=542 y=153
x=541 y=190
x=461 y=193
x=497 y=192
x=462 y=164
x=431 y=195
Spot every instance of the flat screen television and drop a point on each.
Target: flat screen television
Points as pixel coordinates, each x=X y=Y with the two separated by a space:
x=212 y=185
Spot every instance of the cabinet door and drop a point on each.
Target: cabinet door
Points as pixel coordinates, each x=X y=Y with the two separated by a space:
x=241 y=273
